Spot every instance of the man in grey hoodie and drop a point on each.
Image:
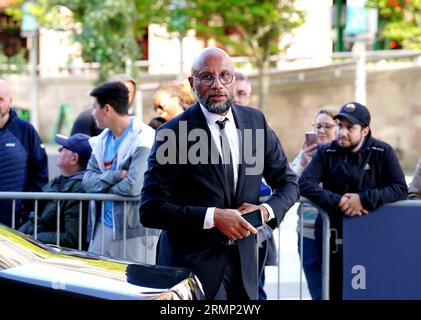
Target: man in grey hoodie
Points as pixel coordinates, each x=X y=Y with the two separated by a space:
x=117 y=165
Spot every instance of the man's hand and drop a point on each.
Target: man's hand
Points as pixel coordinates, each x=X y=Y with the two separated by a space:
x=351 y=206
x=230 y=223
x=248 y=207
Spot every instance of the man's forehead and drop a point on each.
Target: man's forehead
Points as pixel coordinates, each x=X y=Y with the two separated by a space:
x=209 y=61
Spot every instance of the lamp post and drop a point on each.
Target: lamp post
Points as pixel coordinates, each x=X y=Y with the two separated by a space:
x=178 y=22
x=361 y=26
x=30 y=31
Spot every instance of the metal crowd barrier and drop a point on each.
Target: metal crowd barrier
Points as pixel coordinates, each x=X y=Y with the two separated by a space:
x=325 y=248
x=58 y=196
x=37 y=196
x=358 y=233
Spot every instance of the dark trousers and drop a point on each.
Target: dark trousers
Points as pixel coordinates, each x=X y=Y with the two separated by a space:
x=262 y=259
x=232 y=287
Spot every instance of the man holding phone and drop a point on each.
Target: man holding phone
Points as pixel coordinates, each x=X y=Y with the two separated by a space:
x=199 y=206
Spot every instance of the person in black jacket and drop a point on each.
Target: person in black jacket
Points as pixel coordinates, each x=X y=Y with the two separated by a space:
x=351 y=176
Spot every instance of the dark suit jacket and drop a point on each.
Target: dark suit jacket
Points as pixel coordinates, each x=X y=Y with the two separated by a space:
x=176 y=195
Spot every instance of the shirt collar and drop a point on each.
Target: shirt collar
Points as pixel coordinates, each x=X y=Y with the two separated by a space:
x=211 y=118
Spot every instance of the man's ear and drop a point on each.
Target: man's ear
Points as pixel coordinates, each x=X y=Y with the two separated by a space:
x=191 y=81
x=365 y=131
x=75 y=158
x=107 y=107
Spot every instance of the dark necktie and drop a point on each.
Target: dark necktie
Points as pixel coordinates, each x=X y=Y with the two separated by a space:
x=226 y=156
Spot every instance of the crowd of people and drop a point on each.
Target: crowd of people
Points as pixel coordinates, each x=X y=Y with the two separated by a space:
x=192 y=191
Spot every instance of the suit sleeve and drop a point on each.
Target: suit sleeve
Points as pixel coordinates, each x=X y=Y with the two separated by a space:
x=279 y=176
x=309 y=183
x=157 y=210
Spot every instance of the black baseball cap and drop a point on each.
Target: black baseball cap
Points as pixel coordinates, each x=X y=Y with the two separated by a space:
x=78 y=143
x=355 y=113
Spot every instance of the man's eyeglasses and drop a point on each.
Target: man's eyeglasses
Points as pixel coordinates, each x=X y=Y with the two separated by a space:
x=208 y=79
x=326 y=126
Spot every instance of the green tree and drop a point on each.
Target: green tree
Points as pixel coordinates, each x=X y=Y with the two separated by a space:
x=14 y=64
x=402 y=21
x=252 y=28
x=107 y=30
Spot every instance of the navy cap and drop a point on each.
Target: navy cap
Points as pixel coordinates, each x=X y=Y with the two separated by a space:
x=78 y=143
x=355 y=113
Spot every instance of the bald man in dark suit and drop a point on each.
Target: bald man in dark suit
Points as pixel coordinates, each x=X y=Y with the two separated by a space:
x=196 y=188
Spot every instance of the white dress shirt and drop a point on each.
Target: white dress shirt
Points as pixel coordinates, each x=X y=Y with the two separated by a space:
x=233 y=140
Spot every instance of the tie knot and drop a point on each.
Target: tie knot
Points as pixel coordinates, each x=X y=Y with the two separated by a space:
x=221 y=123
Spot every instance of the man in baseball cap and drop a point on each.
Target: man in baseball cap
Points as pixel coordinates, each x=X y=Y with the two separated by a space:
x=351 y=176
x=353 y=126
x=79 y=144
x=75 y=152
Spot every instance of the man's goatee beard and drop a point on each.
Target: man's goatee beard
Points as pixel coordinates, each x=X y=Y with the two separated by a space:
x=218 y=109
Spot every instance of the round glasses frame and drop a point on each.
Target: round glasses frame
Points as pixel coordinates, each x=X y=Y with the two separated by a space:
x=208 y=80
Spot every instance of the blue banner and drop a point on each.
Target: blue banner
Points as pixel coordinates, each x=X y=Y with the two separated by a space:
x=29 y=23
x=356 y=17
x=382 y=253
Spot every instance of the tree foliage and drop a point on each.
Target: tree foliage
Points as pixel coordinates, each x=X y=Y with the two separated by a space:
x=14 y=64
x=108 y=30
x=402 y=21
x=250 y=28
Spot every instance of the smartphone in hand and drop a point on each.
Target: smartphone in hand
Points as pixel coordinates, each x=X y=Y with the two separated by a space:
x=310 y=139
x=254 y=218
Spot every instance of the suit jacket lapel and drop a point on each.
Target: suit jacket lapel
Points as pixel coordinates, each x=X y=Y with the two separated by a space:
x=241 y=124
